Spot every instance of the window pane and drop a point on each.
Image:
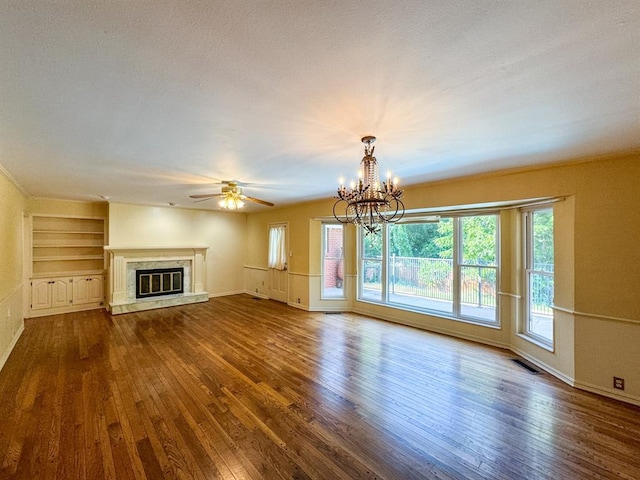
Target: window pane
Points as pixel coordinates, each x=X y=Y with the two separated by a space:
x=372 y=246
x=277 y=248
x=372 y=280
x=479 y=240
x=333 y=262
x=542 y=241
x=540 y=279
x=540 y=302
x=421 y=265
x=478 y=295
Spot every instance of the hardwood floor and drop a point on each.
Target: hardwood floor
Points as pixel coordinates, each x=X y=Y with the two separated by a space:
x=239 y=388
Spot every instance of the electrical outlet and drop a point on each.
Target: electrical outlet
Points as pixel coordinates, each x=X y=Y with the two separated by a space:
x=298 y=299
x=618 y=383
x=256 y=290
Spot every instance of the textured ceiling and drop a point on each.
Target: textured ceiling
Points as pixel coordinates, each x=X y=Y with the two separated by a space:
x=150 y=102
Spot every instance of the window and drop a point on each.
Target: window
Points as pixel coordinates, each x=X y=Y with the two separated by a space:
x=449 y=266
x=421 y=265
x=277 y=247
x=371 y=267
x=539 y=274
x=478 y=267
x=332 y=261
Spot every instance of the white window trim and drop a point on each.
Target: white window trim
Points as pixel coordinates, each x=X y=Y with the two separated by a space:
x=323 y=258
x=527 y=256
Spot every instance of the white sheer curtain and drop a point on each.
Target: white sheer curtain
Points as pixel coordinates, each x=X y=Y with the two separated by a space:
x=277 y=247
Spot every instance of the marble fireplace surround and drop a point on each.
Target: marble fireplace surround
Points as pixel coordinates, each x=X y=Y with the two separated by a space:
x=124 y=261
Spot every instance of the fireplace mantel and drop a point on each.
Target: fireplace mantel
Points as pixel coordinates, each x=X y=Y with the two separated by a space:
x=121 y=259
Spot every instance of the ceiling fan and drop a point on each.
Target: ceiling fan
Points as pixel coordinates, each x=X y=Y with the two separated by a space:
x=231 y=196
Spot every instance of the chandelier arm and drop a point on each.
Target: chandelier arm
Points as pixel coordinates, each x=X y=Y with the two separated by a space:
x=394 y=210
x=342 y=219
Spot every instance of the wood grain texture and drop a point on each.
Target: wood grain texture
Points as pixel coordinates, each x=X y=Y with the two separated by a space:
x=239 y=388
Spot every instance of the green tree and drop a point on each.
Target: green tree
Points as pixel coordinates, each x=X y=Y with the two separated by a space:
x=543 y=239
x=415 y=240
x=479 y=239
x=372 y=245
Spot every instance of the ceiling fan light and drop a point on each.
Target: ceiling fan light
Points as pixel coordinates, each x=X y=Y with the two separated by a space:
x=231 y=202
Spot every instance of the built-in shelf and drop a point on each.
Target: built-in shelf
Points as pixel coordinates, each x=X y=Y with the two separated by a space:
x=65 y=232
x=68 y=257
x=70 y=273
x=51 y=244
x=65 y=248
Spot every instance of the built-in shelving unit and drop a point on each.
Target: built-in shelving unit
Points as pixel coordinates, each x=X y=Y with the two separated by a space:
x=67 y=245
x=67 y=253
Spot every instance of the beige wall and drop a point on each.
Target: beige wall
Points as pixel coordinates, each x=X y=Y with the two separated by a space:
x=304 y=246
x=222 y=232
x=597 y=279
x=597 y=254
x=12 y=210
x=48 y=206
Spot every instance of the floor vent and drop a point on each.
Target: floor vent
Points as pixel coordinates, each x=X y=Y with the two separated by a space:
x=528 y=366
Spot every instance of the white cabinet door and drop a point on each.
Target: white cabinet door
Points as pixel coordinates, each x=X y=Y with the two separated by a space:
x=88 y=290
x=41 y=294
x=60 y=292
x=96 y=289
x=50 y=293
x=80 y=290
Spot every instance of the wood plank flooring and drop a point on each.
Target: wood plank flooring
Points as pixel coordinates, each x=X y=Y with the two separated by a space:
x=239 y=388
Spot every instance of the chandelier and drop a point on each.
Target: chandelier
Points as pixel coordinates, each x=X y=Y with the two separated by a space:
x=232 y=197
x=369 y=203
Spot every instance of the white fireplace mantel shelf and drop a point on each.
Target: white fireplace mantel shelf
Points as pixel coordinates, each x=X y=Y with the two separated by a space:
x=110 y=248
x=122 y=300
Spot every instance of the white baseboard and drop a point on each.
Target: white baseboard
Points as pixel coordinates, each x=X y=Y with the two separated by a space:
x=299 y=306
x=253 y=294
x=226 y=294
x=14 y=340
x=329 y=309
x=547 y=368
x=610 y=393
x=430 y=328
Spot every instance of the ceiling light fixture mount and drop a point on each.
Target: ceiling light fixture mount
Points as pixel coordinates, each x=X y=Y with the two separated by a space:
x=369 y=203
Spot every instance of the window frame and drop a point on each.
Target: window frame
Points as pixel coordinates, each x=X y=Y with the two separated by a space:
x=457 y=265
x=324 y=246
x=527 y=268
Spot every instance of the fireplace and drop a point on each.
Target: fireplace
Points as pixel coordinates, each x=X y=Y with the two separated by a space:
x=142 y=278
x=156 y=282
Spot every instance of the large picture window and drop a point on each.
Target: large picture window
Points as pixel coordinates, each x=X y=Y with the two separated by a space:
x=539 y=274
x=448 y=267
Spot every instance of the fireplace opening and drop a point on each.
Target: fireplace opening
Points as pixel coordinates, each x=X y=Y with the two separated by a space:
x=159 y=281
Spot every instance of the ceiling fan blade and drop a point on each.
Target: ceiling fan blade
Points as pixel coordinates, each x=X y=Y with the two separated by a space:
x=257 y=200
x=206 y=195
